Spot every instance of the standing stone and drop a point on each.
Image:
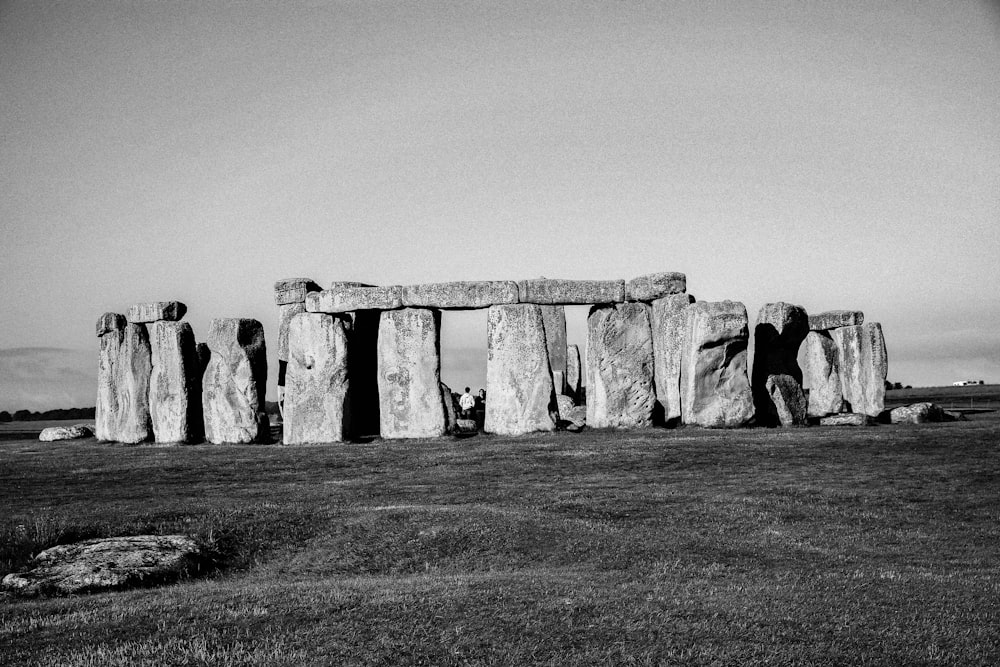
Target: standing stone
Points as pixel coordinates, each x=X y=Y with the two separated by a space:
x=132 y=382
x=175 y=383
x=655 y=286
x=110 y=330
x=559 y=382
x=821 y=374
x=669 y=321
x=519 y=390
x=144 y=313
x=715 y=390
x=316 y=380
x=864 y=365
x=780 y=330
x=234 y=382
x=451 y=410
x=286 y=312
x=554 y=321
x=620 y=390
x=573 y=374
x=409 y=374
x=787 y=398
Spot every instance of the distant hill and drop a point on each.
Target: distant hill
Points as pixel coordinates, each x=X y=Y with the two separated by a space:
x=62 y=413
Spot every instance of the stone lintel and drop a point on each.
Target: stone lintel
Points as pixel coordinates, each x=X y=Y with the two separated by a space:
x=293 y=290
x=109 y=322
x=460 y=295
x=655 y=286
x=834 y=319
x=143 y=313
x=545 y=291
x=349 y=298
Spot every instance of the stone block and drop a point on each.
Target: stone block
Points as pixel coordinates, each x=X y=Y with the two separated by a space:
x=655 y=286
x=554 y=321
x=109 y=322
x=834 y=319
x=669 y=321
x=917 y=413
x=316 y=380
x=620 y=391
x=715 y=389
x=573 y=372
x=780 y=330
x=132 y=374
x=786 y=400
x=460 y=295
x=847 y=419
x=863 y=364
x=175 y=383
x=143 y=313
x=546 y=291
x=233 y=387
x=821 y=374
x=409 y=374
x=519 y=390
x=348 y=298
x=293 y=290
x=54 y=433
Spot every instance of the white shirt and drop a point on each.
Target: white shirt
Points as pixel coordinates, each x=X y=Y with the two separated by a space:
x=466 y=401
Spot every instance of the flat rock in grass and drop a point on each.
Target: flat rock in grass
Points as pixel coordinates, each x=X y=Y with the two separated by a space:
x=112 y=563
x=233 y=386
x=175 y=383
x=409 y=374
x=834 y=319
x=132 y=373
x=786 y=400
x=818 y=360
x=111 y=330
x=348 y=298
x=54 y=433
x=668 y=321
x=864 y=365
x=143 y=313
x=568 y=292
x=293 y=290
x=917 y=413
x=466 y=427
x=848 y=419
x=620 y=390
x=460 y=295
x=316 y=380
x=573 y=372
x=953 y=416
x=655 y=286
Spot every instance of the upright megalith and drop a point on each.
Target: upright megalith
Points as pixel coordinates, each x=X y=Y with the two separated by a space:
x=715 y=390
x=786 y=400
x=655 y=286
x=316 y=380
x=554 y=321
x=290 y=297
x=132 y=374
x=409 y=374
x=669 y=321
x=234 y=383
x=574 y=374
x=519 y=389
x=175 y=383
x=111 y=332
x=620 y=390
x=821 y=374
x=781 y=327
x=864 y=365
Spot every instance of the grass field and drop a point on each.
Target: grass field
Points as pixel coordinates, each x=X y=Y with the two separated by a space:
x=802 y=546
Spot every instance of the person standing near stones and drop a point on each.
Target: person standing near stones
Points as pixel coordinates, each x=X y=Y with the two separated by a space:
x=467 y=403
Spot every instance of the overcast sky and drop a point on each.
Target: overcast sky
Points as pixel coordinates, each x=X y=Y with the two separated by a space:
x=830 y=154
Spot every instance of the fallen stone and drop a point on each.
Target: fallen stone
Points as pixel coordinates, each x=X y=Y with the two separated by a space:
x=574 y=419
x=953 y=416
x=107 y=410
x=466 y=427
x=787 y=400
x=554 y=321
x=917 y=413
x=143 y=313
x=293 y=290
x=409 y=374
x=573 y=373
x=655 y=286
x=847 y=419
x=109 y=322
x=519 y=385
x=565 y=404
x=460 y=295
x=821 y=374
x=834 y=319
x=620 y=390
x=112 y=563
x=53 y=433
x=316 y=380
x=132 y=375
x=780 y=330
x=175 y=383
x=569 y=292
x=863 y=366
x=669 y=321
x=346 y=299
x=233 y=387
x=285 y=314
x=715 y=390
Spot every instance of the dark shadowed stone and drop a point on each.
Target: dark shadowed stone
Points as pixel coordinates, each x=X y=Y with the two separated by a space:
x=142 y=313
x=106 y=413
x=669 y=321
x=293 y=290
x=573 y=372
x=519 y=386
x=460 y=295
x=655 y=286
x=345 y=299
x=715 y=390
x=864 y=365
x=316 y=380
x=111 y=563
x=204 y=354
x=833 y=319
x=917 y=413
x=234 y=383
x=786 y=400
x=109 y=322
x=620 y=390
x=780 y=330
x=409 y=374
x=821 y=374
x=847 y=419
x=569 y=292
x=554 y=321
x=175 y=383
x=132 y=373
x=362 y=369
x=54 y=433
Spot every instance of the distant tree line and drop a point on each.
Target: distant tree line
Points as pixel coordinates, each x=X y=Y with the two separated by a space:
x=896 y=385
x=62 y=413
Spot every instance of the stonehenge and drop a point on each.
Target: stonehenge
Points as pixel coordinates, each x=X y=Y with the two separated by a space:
x=359 y=360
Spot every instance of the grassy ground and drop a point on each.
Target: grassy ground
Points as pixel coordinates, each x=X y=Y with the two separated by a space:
x=801 y=546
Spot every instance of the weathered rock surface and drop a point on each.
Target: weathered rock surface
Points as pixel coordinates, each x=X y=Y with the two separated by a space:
x=669 y=321
x=519 y=386
x=460 y=295
x=106 y=414
x=715 y=389
x=834 y=319
x=786 y=400
x=655 y=286
x=554 y=321
x=233 y=386
x=409 y=374
x=285 y=314
x=143 y=313
x=847 y=419
x=564 y=404
x=451 y=410
x=348 y=298
x=620 y=390
x=568 y=292
x=573 y=372
x=175 y=383
x=132 y=375
x=54 y=433
x=575 y=418
x=863 y=366
x=780 y=330
x=109 y=322
x=559 y=382
x=106 y=564
x=293 y=290
x=917 y=413
x=316 y=380
x=821 y=374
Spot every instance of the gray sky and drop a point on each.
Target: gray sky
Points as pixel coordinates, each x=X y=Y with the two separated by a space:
x=830 y=154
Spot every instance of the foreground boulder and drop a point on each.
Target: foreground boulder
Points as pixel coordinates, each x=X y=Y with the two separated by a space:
x=818 y=359
x=316 y=382
x=106 y=564
x=409 y=374
x=175 y=383
x=864 y=365
x=554 y=321
x=917 y=413
x=54 y=433
x=669 y=321
x=234 y=382
x=620 y=390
